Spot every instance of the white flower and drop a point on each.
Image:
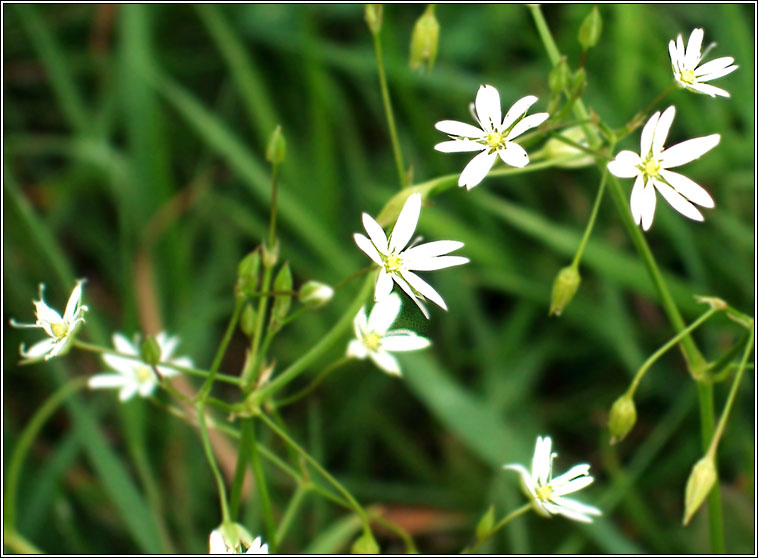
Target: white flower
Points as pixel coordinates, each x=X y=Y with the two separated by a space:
x=221 y=545
x=60 y=330
x=132 y=375
x=547 y=493
x=651 y=166
x=374 y=340
x=398 y=263
x=684 y=64
x=493 y=137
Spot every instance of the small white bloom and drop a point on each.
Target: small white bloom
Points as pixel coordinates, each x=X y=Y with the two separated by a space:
x=373 y=338
x=650 y=168
x=493 y=137
x=547 y=494
x=315 y=294
x=397 y=262
x=221 y=545
x=61 y=330
x=132 y=375
x=684 y=64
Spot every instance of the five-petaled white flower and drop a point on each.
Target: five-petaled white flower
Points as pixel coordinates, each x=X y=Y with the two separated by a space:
x=651 y=166
x=397 y=262
x=132 y=375
x=684 y=64
x=218 y=544
x=373 y=338
x=493 y=137
x=546 y=493
x=61 y=330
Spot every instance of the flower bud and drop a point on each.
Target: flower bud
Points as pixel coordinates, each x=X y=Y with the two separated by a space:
x=558 y=78
x=247 y=275
x=277 y=147
x=486 y=523
x=701 y=481
x=366 y=544
x=564 y=287
x=589 y=31
x=315 y=294
x=578 y=82
x=150 y=351
x=424 y=39
x=247 y=320
x=622 y=418
x=270 y=254
x=282 y=302
x=557 y=149
x=712 y=301
x=373 y=15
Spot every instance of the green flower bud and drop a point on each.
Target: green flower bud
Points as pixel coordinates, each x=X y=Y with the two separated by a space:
x=557 y=149
x=701 y=481
x=150 y=351
x=564 y=287
x=558 y=78
x=247 y=275
x=486 y=523
x=589 y=31
x=712 y=301
x=622 y=418
x=282 y=302
x=424 y=39
x=270 y=254
x=277 y=147
x=247 y=320
x=315 y=294
x=578 y=81
x=373 y=15
x=366 y=544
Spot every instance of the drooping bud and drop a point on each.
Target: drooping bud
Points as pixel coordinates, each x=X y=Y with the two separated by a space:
x=315 y=294
x=699 y=485
x=247 y=275
x=712 y=301
x=558 y=78
x=622 y=417
x=590 y=30
x=555 y=149
x=424 y=40
x=564 y=287
x=486 y=523
x=366 y=544
x=373 y=15
x=150 y=351
x=277 y=147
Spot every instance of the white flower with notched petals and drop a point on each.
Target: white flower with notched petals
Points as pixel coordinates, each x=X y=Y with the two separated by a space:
x=374 y=339
x=688 y=74
x=650 y=168
x=218 y=544
x=546 y=493
x=61 y=330
x=134 y=376
x=397 y=262
x=493 y=137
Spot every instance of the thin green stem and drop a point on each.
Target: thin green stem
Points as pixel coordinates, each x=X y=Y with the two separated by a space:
x=221 y=351
x=25 y=441
x=388 y=111
x=503 y=522
x=274 y=198
x=243 y=450
x=313 y=385
x=226 y=516
x=289 y=514
x=591 y=222
x=17 y=543
x=262 y=486
x=252 y=358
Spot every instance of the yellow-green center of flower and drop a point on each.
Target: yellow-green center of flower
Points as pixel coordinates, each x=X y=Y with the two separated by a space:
x=372 y=340
x=651 y=167
x=392 y=263
x=144 y=373
x=494 y=139
x=59 y=330
x=687 y=76
x=544 y=492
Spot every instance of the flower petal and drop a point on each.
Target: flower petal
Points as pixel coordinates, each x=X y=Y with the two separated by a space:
x=383 y=285
x=406 y=223
x=395 y=342
x=678 y=202
x=385 y=361
x=73 y=302
x=431 y=250
x=128 y=391
x=526 y=123
x=689 y=150
x=542 y=460
x=459 y=146
x=688 y=188
x=647 y=206
x=577 y=506
x=715 y=68
x=123 y=345
x=707 y=89
x=662 y=129
x=477 y=169
x=39 y=349
x=356 y=349
x=107 y=381
x=459 y=129
x=375 y=233
x=409 y=291
x=692 y=57
x=646 y=139
x=580 y=470
x=368 y=248
x=518 y=109
x=514 y=155
x=571 y=486
x=424 y=288
x=625 y=164
x=383 y=314
x=488 y=107
x=360 y=323
x=123 y=366
x=674 y=57
x=526 y=479
x=438 y=262
x=636 y=199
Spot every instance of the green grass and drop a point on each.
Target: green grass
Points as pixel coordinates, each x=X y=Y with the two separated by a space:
x=134 y=156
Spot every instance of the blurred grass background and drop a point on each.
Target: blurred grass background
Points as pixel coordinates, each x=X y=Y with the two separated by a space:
x=133 y=156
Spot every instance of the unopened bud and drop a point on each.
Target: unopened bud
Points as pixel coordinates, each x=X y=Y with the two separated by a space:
x=699 y=485
x=486 y=523
x=712 y=301
x=270 y=254
x=315 y=294
x=555 y=149
x=558 y=78
x=150 y=352
x=564 y=287
x=589 y=31
x=373 y=15
x=277 y=147
x=247 y=320
x=578 y=82
x=424 y=39
x=366 y=544
x=622 y=418
x=247 y=275
x=282 y=302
